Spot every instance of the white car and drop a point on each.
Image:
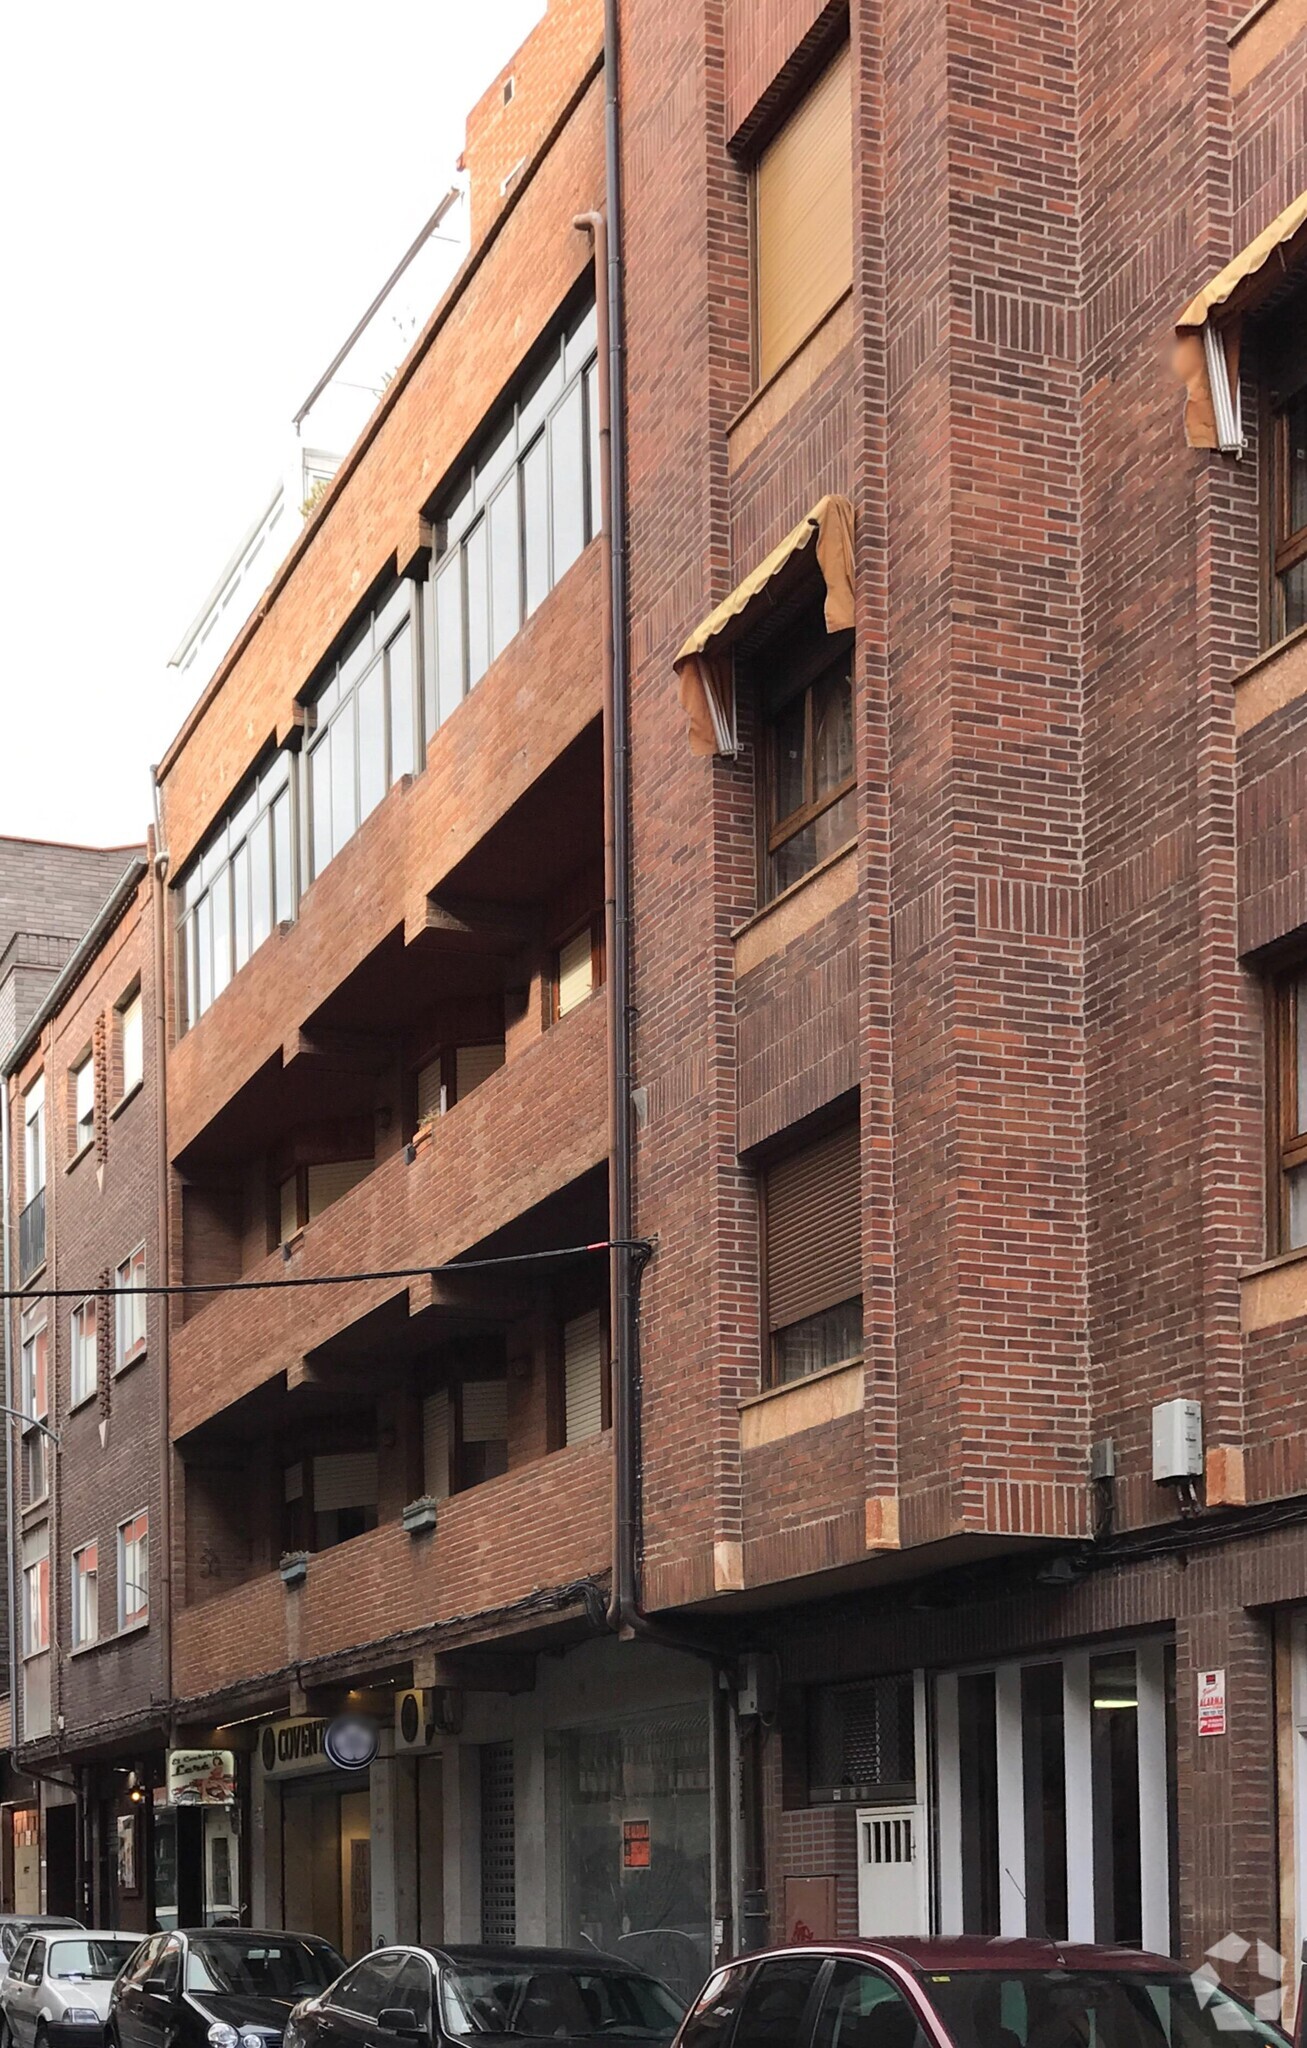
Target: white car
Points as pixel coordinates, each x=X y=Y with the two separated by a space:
x=55 y=1992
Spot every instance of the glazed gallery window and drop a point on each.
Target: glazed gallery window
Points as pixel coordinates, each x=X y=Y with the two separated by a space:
x=518 y=518
x=364 y=716
x=129 y=1311
x=235 y=891
x=1283 y=349
x=812 y=1249
x=82 y=1352
x=803 y=218
x=809 y=796
x=1286 y=1095
x=133 y=1570
x=86 y=1595
x=1056 y=1783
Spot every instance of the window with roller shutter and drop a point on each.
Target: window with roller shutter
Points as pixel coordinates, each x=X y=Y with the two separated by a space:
x=584 y=1377
x=812 y=1245
x=452 y=1075
x=436 y=1445
x=464 y=1436
x=803 y=218
x=302 y=1195
x=329 y=1498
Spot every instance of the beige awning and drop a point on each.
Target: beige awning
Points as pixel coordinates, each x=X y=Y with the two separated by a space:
x=1208 y=328
x=704 y=667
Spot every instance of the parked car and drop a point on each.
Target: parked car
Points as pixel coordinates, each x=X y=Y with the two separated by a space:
x=216 y=1987
x=455 y=1996
x=13 y=1926
x=966 y=1993
x=55 y=1992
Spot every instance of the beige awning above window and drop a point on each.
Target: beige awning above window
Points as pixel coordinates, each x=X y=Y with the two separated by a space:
x=704 y=666
x=1208 y=328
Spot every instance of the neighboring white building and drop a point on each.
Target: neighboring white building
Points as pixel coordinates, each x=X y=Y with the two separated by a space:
x=326 y=427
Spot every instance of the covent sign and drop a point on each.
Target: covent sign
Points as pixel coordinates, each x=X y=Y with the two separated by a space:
x=346 y=1743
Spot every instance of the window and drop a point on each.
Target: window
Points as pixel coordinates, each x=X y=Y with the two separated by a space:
x=808 y=798
x=813 y=1253
x=129 y=1326
x=454 y=1073
x=36 y=1593
x=34 y=1139
x=862 y=1741
x=302 y=1195
x=83 y=1079
x=803 y=218
x=35 y=1969
x=862 y=2009
x=578 y=968
x=1284 y=352
x=365 y=727
x=34 y=1397
x=330 y=1499
x=82 y=1367
x=133 y=1570
x=237 y=889
x=86 y=1595
x=464 y=1435
x=368 y=1988
x=131 y=1044
x=776 y=2001
x=585 y=1377
x=518 y=518
x=1286 y=1064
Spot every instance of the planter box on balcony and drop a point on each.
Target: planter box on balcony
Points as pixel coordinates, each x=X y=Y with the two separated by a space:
x=294 y=1567
x=419 y=1517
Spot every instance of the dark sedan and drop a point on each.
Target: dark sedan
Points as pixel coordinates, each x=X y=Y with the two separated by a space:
x=459 y=1997
x=216 y=1987
x=966 y=1993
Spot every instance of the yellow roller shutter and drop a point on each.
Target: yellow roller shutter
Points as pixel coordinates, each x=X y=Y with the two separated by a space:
x=803 y=216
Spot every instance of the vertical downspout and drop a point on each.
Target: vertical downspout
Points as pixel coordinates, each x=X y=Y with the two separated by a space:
x=159 y=905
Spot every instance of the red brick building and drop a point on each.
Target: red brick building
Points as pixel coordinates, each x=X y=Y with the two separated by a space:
x=908 y=1531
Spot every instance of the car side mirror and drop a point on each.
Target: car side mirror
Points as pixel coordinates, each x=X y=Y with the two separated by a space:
x=397 y=2019
x=157 y=1984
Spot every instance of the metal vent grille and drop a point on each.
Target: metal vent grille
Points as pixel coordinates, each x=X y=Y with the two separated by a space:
x=863 y=1741
x=888 y=1840
x=498 y=1861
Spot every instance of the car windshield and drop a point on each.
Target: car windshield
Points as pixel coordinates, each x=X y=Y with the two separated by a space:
x=1089 y=2009
x=284 y=1967
x=568 y=2003
x=93 y=1956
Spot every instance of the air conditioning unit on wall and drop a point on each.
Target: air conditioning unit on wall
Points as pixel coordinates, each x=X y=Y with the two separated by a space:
x=423 y=1714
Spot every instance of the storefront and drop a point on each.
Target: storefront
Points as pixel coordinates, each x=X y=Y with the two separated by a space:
x=313 y=1802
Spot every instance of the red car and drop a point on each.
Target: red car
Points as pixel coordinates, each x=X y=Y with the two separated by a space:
x=967 y=1993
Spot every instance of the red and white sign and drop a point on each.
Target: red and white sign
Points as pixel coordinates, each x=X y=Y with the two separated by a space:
x=1211 y=1703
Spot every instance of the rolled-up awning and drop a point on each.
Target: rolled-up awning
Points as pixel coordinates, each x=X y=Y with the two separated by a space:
x=1208 y=328
x=703 y=666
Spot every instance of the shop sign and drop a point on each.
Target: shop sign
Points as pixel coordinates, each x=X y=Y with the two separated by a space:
x=1211 y=1703
x=201 y=1777
x=347 y=1743
x=637 y=1845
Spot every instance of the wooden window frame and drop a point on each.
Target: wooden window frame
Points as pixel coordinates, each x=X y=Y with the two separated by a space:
x=1288 y=547
x=598 y=965
x=810 y=666
x=769 y=1376
x=1286 y=1146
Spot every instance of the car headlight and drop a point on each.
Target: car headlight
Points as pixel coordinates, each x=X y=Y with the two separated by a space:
x=249 y=2039
x=223 y=2036
x=81 y=2016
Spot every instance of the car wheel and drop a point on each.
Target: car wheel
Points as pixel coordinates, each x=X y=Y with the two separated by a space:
x=42 y=2038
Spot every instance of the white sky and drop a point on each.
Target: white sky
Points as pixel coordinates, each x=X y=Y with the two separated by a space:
x=198 y=203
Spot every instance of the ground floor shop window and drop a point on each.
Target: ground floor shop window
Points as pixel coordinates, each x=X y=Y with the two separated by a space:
x=1055 y=1797
x=636 y=1833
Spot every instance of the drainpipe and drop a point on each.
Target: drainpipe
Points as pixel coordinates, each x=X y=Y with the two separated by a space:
x=159 y=906
x=626 y=1617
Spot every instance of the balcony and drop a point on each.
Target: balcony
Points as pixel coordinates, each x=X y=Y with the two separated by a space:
x=529 y=1131
x=31 y=1236
x=513 y=778
x=544 y=1525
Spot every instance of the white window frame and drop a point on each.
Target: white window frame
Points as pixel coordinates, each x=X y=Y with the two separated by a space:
x=81 y=1581
x=34 y=1140
x=130 y=1311
x=83 y=1124
x=131 y=1036
x=129 y=1617
x=1154 y=1833
x=81 y=1389
x=36 y=1611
